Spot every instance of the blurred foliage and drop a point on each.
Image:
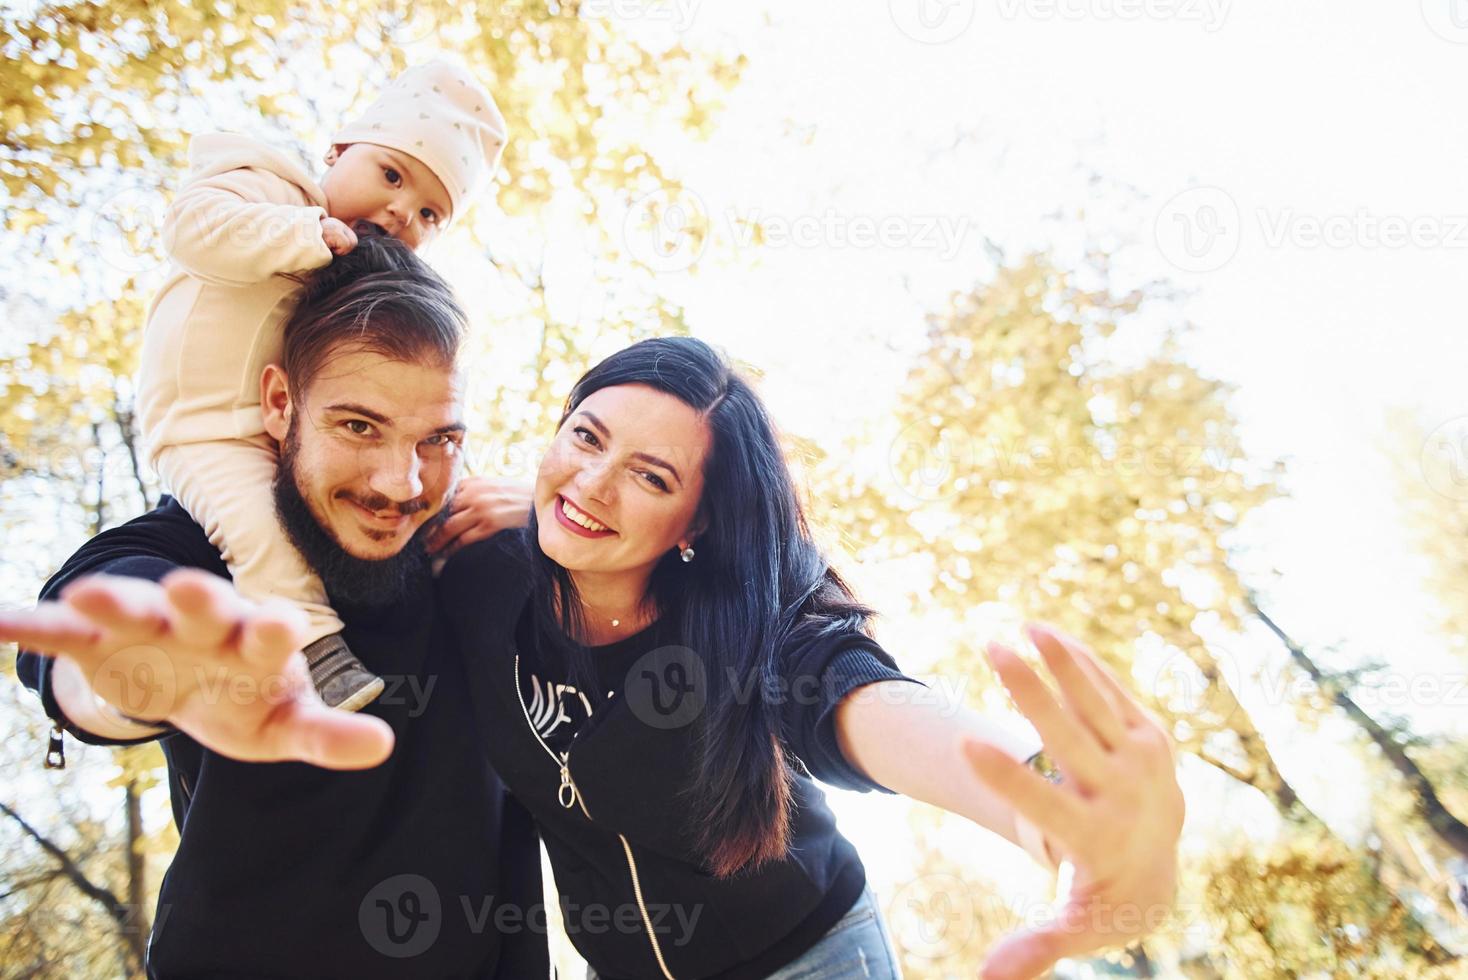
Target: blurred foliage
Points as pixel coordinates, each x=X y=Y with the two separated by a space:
x=1044 y=461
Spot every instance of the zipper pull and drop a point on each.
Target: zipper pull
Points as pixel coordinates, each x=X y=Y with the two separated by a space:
x=55 y=751
x=567 y=793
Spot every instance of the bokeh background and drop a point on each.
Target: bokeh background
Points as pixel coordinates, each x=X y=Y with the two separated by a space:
x=1143 y=317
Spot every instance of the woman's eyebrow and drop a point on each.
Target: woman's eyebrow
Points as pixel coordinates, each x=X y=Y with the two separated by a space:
x=645 y=457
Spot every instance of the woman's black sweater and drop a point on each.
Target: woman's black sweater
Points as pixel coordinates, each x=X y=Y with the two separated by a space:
x=601 y=771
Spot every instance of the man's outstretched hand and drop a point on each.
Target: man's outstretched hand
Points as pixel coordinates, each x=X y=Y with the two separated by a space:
x=192 y=652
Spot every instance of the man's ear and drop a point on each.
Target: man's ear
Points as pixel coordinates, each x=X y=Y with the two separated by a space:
x=275 y=401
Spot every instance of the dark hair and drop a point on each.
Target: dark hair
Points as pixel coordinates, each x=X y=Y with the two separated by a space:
x=378 y=298
x=757 y=574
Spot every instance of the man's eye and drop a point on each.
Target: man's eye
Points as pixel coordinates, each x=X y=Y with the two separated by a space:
x=430 y=216
x=357 y=427
x=393 y=176
x=441 y=439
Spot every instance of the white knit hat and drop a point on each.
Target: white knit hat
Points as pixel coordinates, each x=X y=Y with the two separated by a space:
x=439 y=114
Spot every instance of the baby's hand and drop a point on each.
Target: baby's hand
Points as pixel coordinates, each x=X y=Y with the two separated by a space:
x=339 y=238
x=481 y=509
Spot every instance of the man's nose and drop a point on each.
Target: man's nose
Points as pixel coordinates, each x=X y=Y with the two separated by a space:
x=397 y=474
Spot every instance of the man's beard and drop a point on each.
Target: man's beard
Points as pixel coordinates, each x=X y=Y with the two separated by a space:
x=358 y=582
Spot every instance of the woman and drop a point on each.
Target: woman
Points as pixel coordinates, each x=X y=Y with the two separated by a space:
x=663 y=660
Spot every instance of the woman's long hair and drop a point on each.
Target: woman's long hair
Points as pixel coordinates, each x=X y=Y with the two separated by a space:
x=756 y=574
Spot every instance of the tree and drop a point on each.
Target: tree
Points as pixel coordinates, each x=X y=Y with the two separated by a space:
x=1041 y=460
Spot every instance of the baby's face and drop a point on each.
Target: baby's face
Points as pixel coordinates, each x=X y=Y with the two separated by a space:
x=387 y=187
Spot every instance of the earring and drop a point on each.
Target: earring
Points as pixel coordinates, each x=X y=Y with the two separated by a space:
x=686 y=554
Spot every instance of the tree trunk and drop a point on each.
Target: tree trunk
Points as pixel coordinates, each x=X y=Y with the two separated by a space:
x=135 y=932
x=1448 y=828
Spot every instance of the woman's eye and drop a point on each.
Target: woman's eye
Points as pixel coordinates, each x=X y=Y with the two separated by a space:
x=357 y=427
x=655 y=480
x=585 y=435
x=392 y=175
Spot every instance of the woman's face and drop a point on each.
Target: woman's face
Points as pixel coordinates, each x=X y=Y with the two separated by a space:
x=621 y=484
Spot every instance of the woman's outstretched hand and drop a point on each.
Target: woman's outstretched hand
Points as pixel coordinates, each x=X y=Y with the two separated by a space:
x=1116 y=817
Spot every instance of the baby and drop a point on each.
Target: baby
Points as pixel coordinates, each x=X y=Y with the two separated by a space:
x=247 y=220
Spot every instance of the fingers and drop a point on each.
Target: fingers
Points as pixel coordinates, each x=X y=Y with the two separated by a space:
x=450 y=529
x=1086 y=700
x=1121 y=699
x=134 y=610
x=207 y=611
x=272 y=633
x=309 y=731
x=52 y=628
x=1031 y=954
x=1066 y=739
x=1053 y=810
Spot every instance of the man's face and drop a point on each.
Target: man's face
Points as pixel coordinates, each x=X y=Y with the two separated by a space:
x=375 y=446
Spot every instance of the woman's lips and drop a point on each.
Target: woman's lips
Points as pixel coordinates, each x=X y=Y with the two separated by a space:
x=572 y=526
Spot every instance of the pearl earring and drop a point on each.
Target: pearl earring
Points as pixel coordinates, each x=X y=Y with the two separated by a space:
x=686 y=554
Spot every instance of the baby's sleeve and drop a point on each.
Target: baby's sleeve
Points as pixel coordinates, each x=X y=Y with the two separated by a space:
x=241 y=227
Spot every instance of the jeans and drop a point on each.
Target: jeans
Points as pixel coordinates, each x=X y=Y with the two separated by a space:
x=856 y=946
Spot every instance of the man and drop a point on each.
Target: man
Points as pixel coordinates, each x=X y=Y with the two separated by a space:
x=402 y=858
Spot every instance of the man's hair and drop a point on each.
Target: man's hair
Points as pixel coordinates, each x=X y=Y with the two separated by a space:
x=379 y=298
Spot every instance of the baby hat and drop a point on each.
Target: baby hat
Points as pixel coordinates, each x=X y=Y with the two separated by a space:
x=440 y=114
